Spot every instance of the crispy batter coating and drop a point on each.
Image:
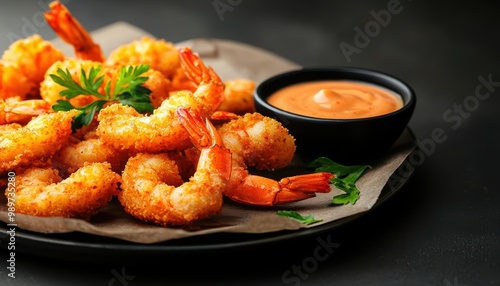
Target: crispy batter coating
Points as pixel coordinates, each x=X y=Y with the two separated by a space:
x=77 y=153
x=41 y=138
x=25 y=63
x=42 y=192
x=125 y=129
x=154 y=191
x=159 y=86
x=159 y=54
x=258 y=141
x=13 y=82
x=238 y=96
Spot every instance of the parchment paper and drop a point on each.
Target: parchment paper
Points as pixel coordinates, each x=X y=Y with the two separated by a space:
x=230 y=60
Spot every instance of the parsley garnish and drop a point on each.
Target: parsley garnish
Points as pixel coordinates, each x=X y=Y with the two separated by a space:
x=296 y=216
x=345 y=178
x=128 y=90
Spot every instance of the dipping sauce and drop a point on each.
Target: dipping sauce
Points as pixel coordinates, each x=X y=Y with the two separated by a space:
x=336 y=99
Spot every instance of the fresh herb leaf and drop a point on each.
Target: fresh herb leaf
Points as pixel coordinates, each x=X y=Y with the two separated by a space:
x=73 y=88
x=139 y=100
x=130 y=78
x=128 y=90
x=345 y=178
x=296 y=216
x=63 y=105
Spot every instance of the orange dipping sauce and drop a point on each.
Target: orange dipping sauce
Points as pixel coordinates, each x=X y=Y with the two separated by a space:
x=336 y=99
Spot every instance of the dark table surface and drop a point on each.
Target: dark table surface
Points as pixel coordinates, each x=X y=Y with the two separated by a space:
x=441 y=228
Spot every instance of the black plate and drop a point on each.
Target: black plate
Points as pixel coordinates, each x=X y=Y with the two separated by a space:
x=78 y=246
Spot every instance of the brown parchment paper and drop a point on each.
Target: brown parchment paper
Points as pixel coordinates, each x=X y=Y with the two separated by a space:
x=230 y=60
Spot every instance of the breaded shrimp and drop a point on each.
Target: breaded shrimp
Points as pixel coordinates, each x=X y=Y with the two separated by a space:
x=262 y=142
x=159 y=54
x=13 y=110
x=77 y=153
x=151 y=190
x=159 y=86
x=41 y=138
x=124 y=128
x=31 y=57
x=258 y=141
x=238 y=96
x=42 y=192
x=13 y=82
x=49 y=89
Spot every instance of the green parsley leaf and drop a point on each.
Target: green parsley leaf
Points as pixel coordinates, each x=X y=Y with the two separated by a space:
x=296 y=216
x=128 y=90
x=63 y=105
x=345 y=178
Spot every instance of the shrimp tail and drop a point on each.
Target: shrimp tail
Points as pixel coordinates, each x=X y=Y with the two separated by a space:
x=223 y=116
x=72 y=32
x=205 y=137
x=210 y=86
x=261 y=191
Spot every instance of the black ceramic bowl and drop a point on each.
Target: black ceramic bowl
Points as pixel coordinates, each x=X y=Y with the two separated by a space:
x=346 y=141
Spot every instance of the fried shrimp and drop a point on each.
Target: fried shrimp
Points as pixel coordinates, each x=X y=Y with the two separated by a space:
x=13 y=110
x=262 y=142
x=13 y=82
x=258 y=141
x=159 y=86
x=42 y=192
x=151 y=190
x=49 y=89
x=238 y=96
x=72 y=32
x=76 y=153
x=41 y=138
x=159 y=54
x=126 y=129
x=24 y=65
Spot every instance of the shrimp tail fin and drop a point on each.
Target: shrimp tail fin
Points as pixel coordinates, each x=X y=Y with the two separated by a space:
x=202 y=133
x=261 y=191
x=72 y=32
x=210 y=85
x=205 y=137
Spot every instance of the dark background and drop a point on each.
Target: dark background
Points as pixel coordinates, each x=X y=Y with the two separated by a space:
x=442 y=228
